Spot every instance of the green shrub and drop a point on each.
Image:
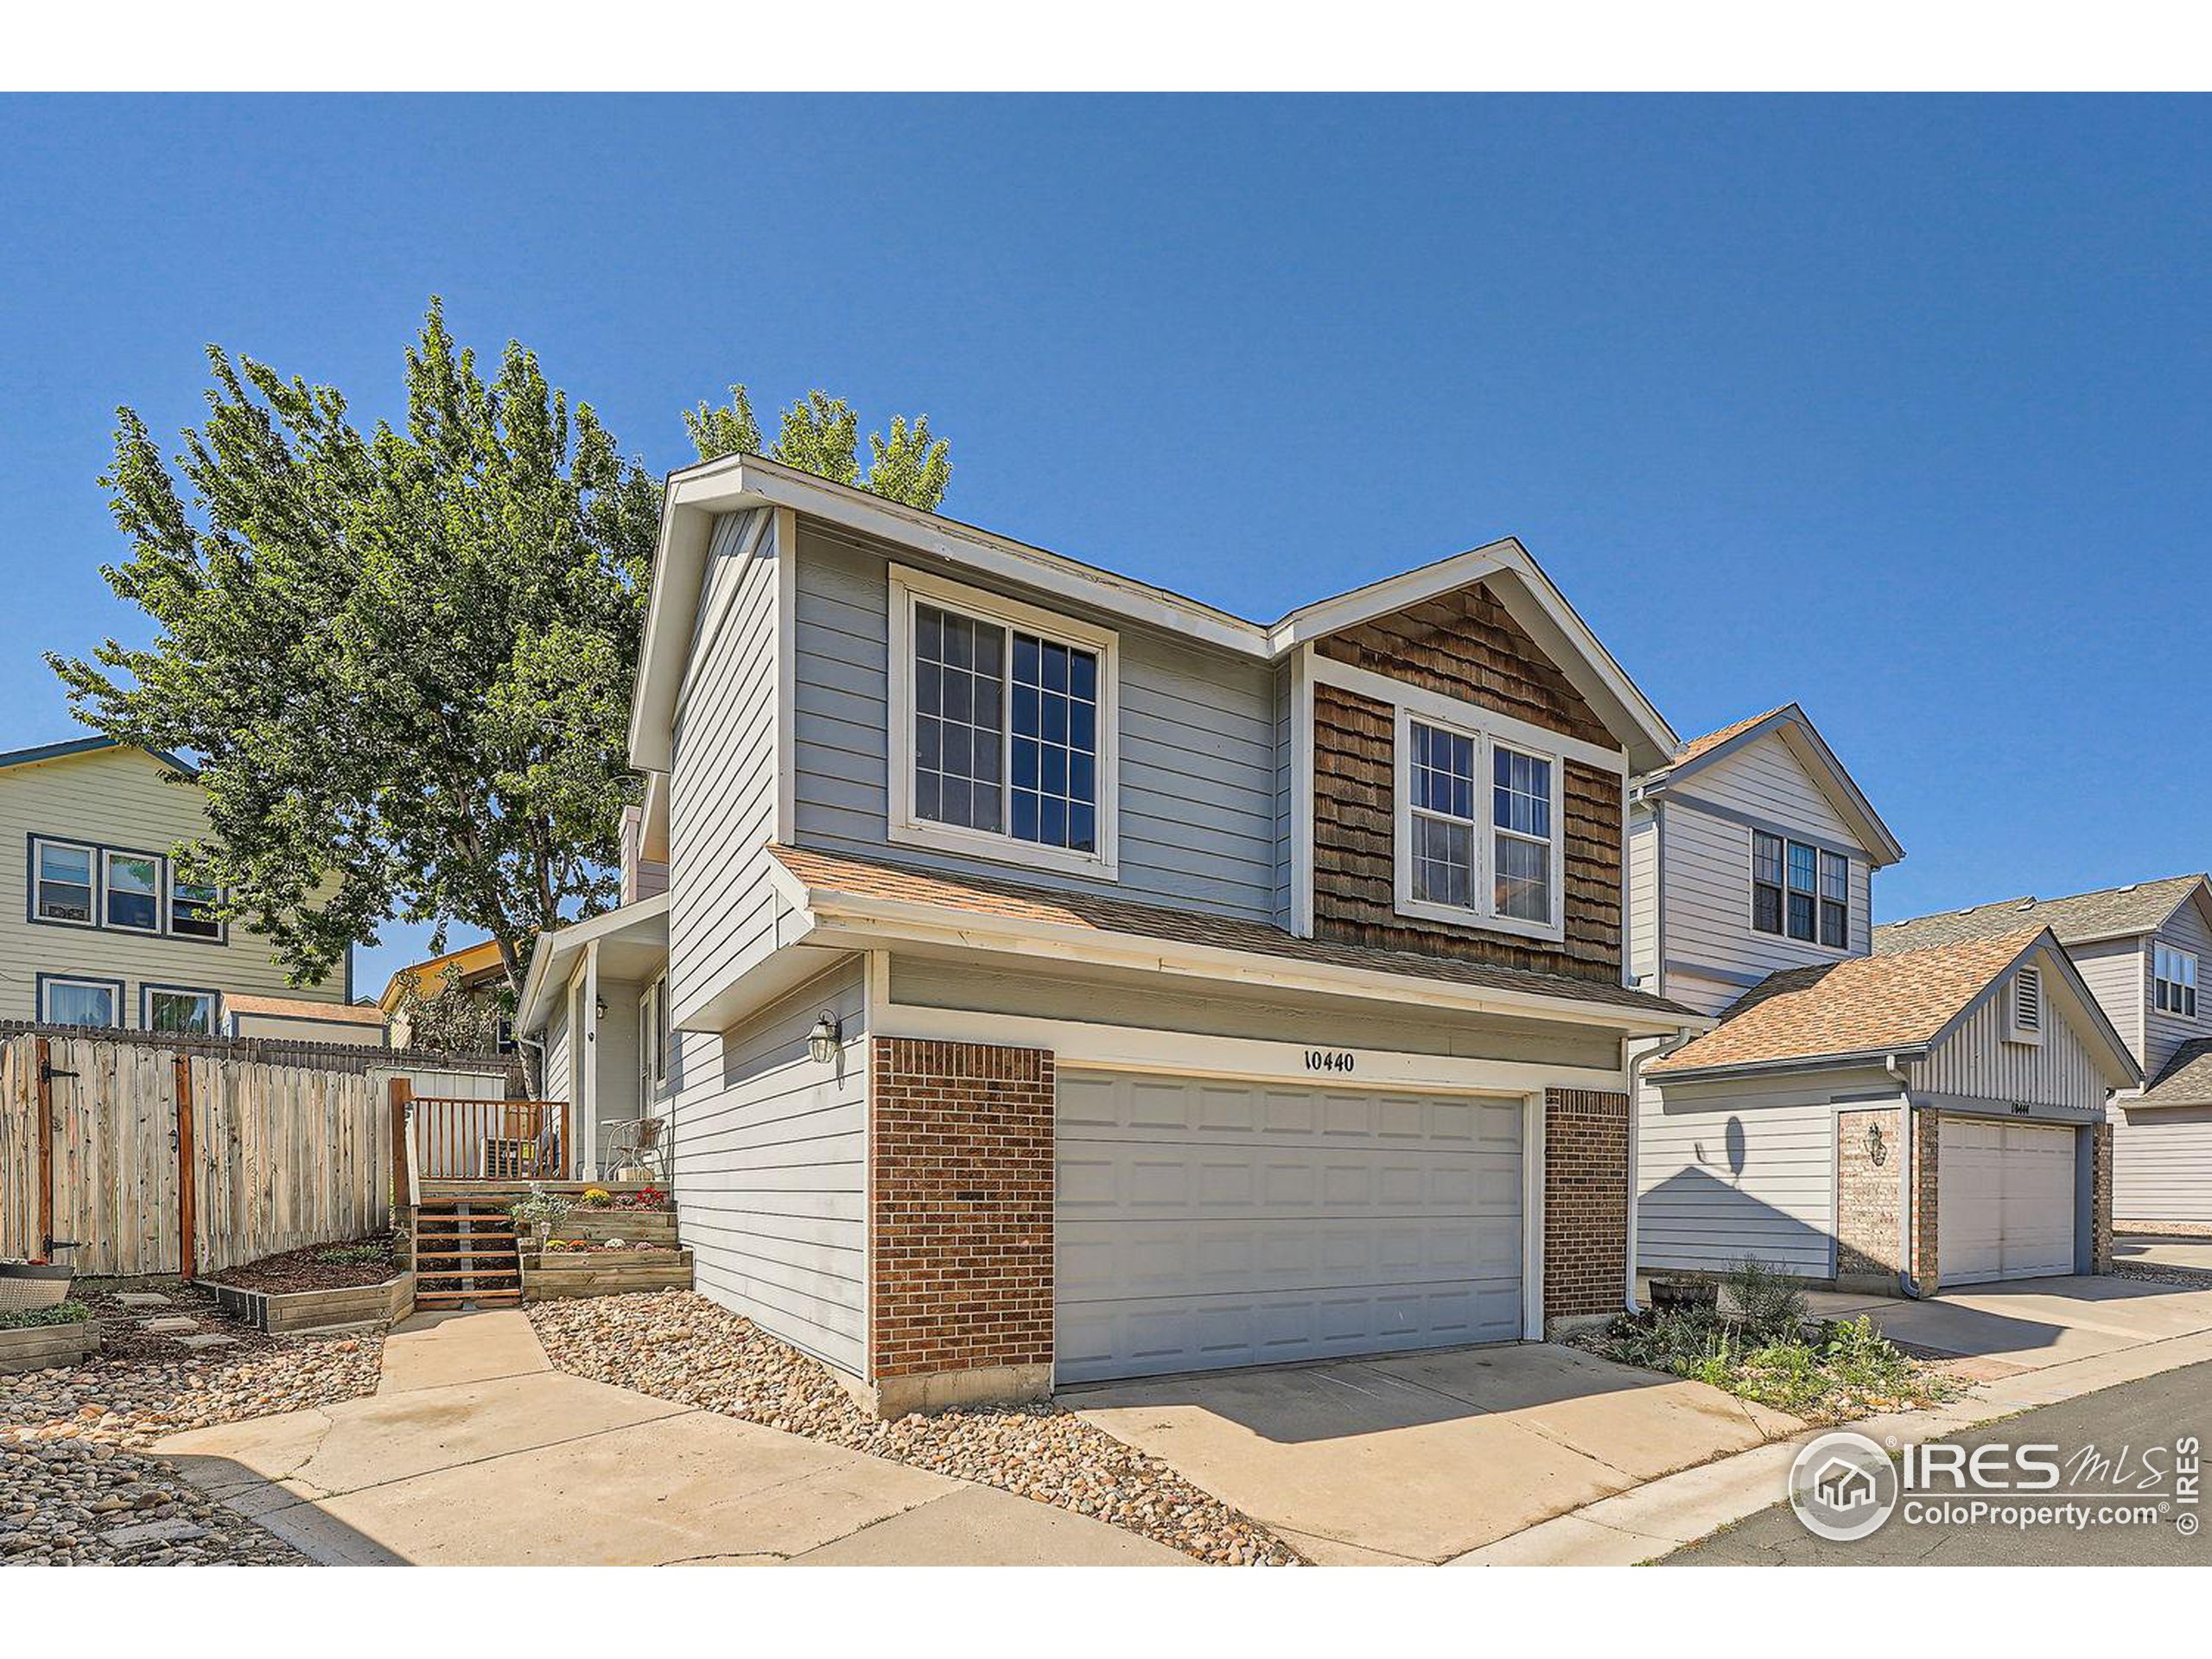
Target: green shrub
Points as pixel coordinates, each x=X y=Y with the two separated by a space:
x=1771 y=1307
x=59 y=1314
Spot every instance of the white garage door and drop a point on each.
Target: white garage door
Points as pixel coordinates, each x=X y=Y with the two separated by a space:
x=2006 y=1191
x=1203 y=1224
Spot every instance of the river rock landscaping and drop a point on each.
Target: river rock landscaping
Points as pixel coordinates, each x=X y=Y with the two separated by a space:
x=76 y=1485
x=677 y=1345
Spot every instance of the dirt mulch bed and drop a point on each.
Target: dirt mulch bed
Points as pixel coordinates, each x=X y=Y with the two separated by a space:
x=311 y=1268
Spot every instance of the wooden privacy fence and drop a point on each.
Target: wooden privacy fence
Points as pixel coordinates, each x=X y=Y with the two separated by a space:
x=162 y=1161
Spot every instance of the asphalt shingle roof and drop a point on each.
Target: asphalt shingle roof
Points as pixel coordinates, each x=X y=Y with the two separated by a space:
x=1698 y=746
x=866 y=878
x=1858 y=1006
x=2187 y=1080
x=2137 y=908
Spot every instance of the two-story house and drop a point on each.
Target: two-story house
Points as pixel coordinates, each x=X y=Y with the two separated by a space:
x=2139 y=948
x=1069 y=980
x=99 y=926
x=1929 y=1116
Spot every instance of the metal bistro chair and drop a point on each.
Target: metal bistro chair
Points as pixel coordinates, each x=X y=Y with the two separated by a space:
x=640 y=1143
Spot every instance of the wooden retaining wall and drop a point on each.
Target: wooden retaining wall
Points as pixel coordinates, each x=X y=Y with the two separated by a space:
x=603 y=1273
x=282 y=1312
x=37 y=1347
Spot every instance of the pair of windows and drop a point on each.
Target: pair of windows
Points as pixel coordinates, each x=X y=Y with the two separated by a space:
x=69 y=1000
x=1479 y=839
x=77 y=885
x=1800 y=893
x=1010 y=714
x=2173 y=981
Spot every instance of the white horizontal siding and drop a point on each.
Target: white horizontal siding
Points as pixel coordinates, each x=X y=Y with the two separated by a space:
x=1643 y=899
x=2162 y=1166
x=771 y=1157
x=1198 y=784
x=1744 y=1174
x=1765 y=780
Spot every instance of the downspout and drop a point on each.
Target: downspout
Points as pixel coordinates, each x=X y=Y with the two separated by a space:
x=1906 y=1157
x=1636 y=1062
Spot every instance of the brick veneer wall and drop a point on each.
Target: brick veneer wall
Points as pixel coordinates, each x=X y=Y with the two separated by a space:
x=2100 y=1149
x=960 y=1208
x=1585 y=1203
x=1926 y=1191
x=1866 y=1194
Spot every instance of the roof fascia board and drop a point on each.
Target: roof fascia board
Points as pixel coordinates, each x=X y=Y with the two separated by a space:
x=562 y=944
x=862 y=922
x=2084 y=1001
x=70 y=747
x=1842 y=1061
x=1811 y=752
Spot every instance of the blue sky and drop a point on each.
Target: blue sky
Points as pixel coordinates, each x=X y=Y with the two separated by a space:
x=1894 y=406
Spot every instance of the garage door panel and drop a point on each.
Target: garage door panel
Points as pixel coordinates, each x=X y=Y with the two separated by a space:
x=1333 y=1223
x=2006 y=1193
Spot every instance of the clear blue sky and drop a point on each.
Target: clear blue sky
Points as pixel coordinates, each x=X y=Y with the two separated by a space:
x=1896 y=407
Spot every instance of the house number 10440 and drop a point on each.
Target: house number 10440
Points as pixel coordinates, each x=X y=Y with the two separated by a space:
x=1328 y=1060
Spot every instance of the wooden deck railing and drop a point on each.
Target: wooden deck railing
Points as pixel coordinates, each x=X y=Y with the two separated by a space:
x=495 y=1140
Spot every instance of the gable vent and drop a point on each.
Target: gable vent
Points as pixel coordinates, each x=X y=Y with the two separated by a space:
x=2027 y=1000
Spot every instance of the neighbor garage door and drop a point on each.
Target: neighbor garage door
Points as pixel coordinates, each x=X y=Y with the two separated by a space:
x=1203 y=1224
x=2006 y=1194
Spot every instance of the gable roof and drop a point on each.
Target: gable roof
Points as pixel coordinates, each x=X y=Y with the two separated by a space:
x=697 y=495
x=2187 y=1080
x=471 y=959
x=1794 y=728
x=2107 y=914
x=840 y=883
x=299 y=1007
x=1865 y=1009
x=75 y=745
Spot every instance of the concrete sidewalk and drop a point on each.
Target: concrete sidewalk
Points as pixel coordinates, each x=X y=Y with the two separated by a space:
x=475 y=1452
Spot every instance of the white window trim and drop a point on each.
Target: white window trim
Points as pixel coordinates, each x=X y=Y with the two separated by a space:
x=910 y=586
x=214 y=999
x=1482 y=913
x=92 y=873
x=81 y=981
x=222 y=933
x=108 y=855
x=652 y=1037
x=1751 y=884
x=2176 y=955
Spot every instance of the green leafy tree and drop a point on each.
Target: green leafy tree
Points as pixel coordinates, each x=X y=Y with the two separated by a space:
x=402 y=656
x=443 y=1015
x=820 y=435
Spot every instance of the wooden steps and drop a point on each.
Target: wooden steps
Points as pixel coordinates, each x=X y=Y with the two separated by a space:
x=465 y=1251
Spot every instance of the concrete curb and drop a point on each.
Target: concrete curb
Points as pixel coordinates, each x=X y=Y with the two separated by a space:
x=1661 y=1516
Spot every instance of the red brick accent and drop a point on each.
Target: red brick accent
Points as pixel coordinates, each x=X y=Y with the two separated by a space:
x=960 y=1207
x=1927 y=1192
x=1585 y=1203
x=1869 y=1150
x=2100 y=1199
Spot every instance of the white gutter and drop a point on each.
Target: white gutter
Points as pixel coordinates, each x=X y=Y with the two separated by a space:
x=1636 y=1062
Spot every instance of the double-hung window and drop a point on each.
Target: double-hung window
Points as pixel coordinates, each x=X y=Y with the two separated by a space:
x=2173 y=981
x=131 y=892
x=62 y=876
x=1800 y=892
x=192 y=909
x=1478 y=838
x=1008 y=718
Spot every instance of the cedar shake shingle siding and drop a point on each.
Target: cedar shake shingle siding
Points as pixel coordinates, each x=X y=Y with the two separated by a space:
x=1354 y=782
x=1466 y=644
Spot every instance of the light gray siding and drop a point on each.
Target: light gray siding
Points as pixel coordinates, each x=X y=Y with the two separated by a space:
x=2117 y=973
x=2162 y=1165
x=1978 y=1061
x=1726 y=1170
x=1117 y=999
x=1764 y=779
x=560 y=1070
x=721 y=794
x=615 y=1059
x=1286 y=797
x=1643 y=899
x=771 y=1168
x=1198 y=787
x=2164 y=1032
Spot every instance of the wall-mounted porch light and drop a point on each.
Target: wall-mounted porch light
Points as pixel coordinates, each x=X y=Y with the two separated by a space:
x=822 y=1041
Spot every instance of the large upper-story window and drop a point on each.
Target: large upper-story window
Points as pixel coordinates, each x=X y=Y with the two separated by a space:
x=78 y=884
x=1008 y=714
x=1800 y=892
x=2173 y=981
x=1479 y=839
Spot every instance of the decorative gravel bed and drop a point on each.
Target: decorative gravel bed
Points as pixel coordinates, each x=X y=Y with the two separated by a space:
x=677 y=1345
x=75 y=1484
x=319 y=1267
x=2158 y=1273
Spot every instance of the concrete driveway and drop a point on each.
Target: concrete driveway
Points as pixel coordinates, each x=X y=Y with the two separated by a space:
x=1422 y=1458
x=2165 y=1251
x=2028 y=1325
x=475 y=1452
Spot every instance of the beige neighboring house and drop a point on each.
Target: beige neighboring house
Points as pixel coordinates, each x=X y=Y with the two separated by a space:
x=477 y=971
x=98 y=928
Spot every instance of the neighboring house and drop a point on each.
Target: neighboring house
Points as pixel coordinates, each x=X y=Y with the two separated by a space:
x=98 y=927
x=2140 y=948
x=1927 y=1118
x=476 y=971
x=1068 y=980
